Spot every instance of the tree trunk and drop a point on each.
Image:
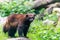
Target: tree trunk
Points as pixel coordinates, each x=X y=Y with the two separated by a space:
x=38 y=3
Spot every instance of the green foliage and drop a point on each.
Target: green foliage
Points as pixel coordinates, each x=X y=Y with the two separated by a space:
x=16 y=6
x=39 y=31
x=52 y=16
x=42 y=10
x=2 y=35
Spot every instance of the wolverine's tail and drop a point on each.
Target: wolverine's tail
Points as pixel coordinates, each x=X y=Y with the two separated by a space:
x=5 y=29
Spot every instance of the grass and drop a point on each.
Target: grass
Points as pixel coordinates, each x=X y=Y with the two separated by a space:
x=2 y=35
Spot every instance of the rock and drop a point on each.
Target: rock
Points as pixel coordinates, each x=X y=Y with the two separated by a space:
x=48 y=22
x=2 y=20
x=20 y=38
x=57 y=10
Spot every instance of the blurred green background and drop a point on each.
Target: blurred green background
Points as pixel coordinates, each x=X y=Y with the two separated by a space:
x=37 y=30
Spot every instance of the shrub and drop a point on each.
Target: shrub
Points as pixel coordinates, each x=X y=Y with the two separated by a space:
x=39 y=31
x=16 y=6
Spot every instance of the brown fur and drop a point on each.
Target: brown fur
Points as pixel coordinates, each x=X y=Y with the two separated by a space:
x=13 y=20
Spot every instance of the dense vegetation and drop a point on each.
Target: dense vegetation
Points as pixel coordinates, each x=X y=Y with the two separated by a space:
x=38 y=30
x=20 y=6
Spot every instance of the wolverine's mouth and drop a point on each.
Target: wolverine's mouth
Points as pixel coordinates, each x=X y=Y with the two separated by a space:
x=31 y=19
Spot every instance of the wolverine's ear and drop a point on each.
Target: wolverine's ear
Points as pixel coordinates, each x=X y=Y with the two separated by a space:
x=26 y=15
